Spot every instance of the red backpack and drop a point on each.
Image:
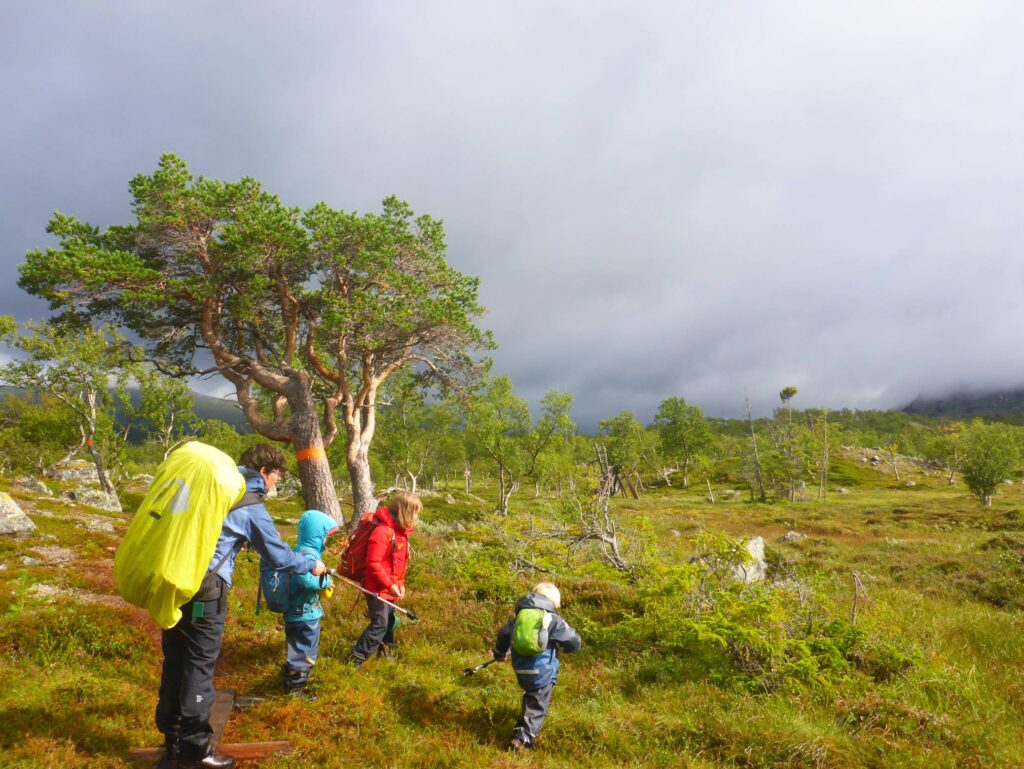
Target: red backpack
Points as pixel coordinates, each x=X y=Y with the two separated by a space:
x=353 y=557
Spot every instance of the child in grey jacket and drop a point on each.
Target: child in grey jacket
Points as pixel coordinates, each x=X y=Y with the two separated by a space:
x=536 y=674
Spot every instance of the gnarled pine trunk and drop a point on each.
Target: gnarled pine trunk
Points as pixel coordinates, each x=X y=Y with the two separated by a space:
x=307 y=440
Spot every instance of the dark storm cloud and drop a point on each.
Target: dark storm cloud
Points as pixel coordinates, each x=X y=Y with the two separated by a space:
x=662 y=199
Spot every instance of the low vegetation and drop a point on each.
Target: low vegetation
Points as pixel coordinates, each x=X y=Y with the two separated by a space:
x=886 y=636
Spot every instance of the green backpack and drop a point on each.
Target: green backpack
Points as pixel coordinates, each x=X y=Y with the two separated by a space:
x=530 y=632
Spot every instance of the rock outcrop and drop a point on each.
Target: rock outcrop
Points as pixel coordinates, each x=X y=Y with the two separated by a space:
x=13 y=520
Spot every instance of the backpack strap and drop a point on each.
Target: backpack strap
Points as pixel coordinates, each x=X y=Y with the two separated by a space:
x=248 y=498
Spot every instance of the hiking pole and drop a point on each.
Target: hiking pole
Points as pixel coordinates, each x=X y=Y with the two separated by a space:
x=480 y=667
x=410 y=614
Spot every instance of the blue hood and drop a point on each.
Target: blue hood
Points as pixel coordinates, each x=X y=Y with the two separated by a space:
x=253 y=480
x=314 y=526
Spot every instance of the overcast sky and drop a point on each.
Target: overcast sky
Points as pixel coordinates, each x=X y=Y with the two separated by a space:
x=678 y=198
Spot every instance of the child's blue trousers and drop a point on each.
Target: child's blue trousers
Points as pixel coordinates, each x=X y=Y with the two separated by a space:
x=302 y=645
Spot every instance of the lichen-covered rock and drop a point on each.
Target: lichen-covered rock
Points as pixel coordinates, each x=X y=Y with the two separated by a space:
x=95 y=498
x=55 y=555
x=34 y=485
x=288 y=488
x=74 y=470
x=13 y=520
x=754 y=570
x=791 y=536
x=102 y=525
x=77 y=470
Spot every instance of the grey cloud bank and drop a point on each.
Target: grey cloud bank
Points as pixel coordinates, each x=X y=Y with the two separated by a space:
x=661 y=199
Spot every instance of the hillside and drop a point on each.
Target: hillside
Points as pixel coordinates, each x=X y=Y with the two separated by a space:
x=222 y=409
x=967 y=405
x=887 y=634
x=205 y=406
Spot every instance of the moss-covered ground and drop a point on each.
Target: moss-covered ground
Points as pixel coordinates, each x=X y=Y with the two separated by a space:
x=940 y=589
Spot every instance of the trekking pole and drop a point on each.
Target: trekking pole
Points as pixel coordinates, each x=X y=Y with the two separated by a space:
x=410 y=614
x=480 y=667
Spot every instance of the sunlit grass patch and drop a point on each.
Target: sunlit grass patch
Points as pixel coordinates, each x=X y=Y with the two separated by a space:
x=929 y=675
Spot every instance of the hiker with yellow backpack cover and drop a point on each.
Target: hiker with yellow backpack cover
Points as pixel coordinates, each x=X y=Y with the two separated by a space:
x=177 y=561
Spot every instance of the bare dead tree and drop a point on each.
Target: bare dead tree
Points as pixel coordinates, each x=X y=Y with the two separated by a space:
x=890 y=446
x=823 y=477
x=620 y=482
x=762 y=496
x=594 y=523
x=522 y=546
x=859 y=593
x=588 y=520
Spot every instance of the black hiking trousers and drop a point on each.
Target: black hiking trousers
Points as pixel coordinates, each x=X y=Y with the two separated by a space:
x=380 y=632
x=190 y=650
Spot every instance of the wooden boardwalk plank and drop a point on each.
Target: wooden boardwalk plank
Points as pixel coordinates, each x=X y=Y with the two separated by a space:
x=239 y=750
x=220 y=713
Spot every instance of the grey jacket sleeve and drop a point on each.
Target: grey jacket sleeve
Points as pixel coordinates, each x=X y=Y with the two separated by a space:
x=562 y=635
x=504 y=641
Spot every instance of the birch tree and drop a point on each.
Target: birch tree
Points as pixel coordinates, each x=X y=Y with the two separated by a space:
x=500 y=427
x=684 y=433
x=991 y=454
x=78 y=368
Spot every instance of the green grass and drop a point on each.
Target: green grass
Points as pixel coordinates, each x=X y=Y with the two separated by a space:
x=934 y=677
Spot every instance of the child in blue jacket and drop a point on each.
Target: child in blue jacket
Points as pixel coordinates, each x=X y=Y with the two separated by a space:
x=537 y=675
x=302 y=619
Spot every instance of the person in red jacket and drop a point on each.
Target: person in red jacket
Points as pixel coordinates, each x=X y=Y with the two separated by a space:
x=387 y=555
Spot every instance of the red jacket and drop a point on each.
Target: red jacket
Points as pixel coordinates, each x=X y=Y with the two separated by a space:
x=387 y=555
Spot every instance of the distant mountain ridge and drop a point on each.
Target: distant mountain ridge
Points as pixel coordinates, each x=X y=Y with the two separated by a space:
x=224 y=409
x=965 y=405
x=205 y=406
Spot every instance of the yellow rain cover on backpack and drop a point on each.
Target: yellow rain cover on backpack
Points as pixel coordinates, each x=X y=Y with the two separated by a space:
x=169 y=544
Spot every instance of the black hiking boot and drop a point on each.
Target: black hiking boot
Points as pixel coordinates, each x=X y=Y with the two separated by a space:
x=170 y=756
x=302 y=694
x=171 y=747
x=213 y=760
x=293 y=681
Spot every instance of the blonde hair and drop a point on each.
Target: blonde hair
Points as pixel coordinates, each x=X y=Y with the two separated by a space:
x=549 y=591
x=406 y=507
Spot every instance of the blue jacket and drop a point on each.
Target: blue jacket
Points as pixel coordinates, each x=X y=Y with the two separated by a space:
x=537 y=672
x=252 y=523
x=304 y=591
